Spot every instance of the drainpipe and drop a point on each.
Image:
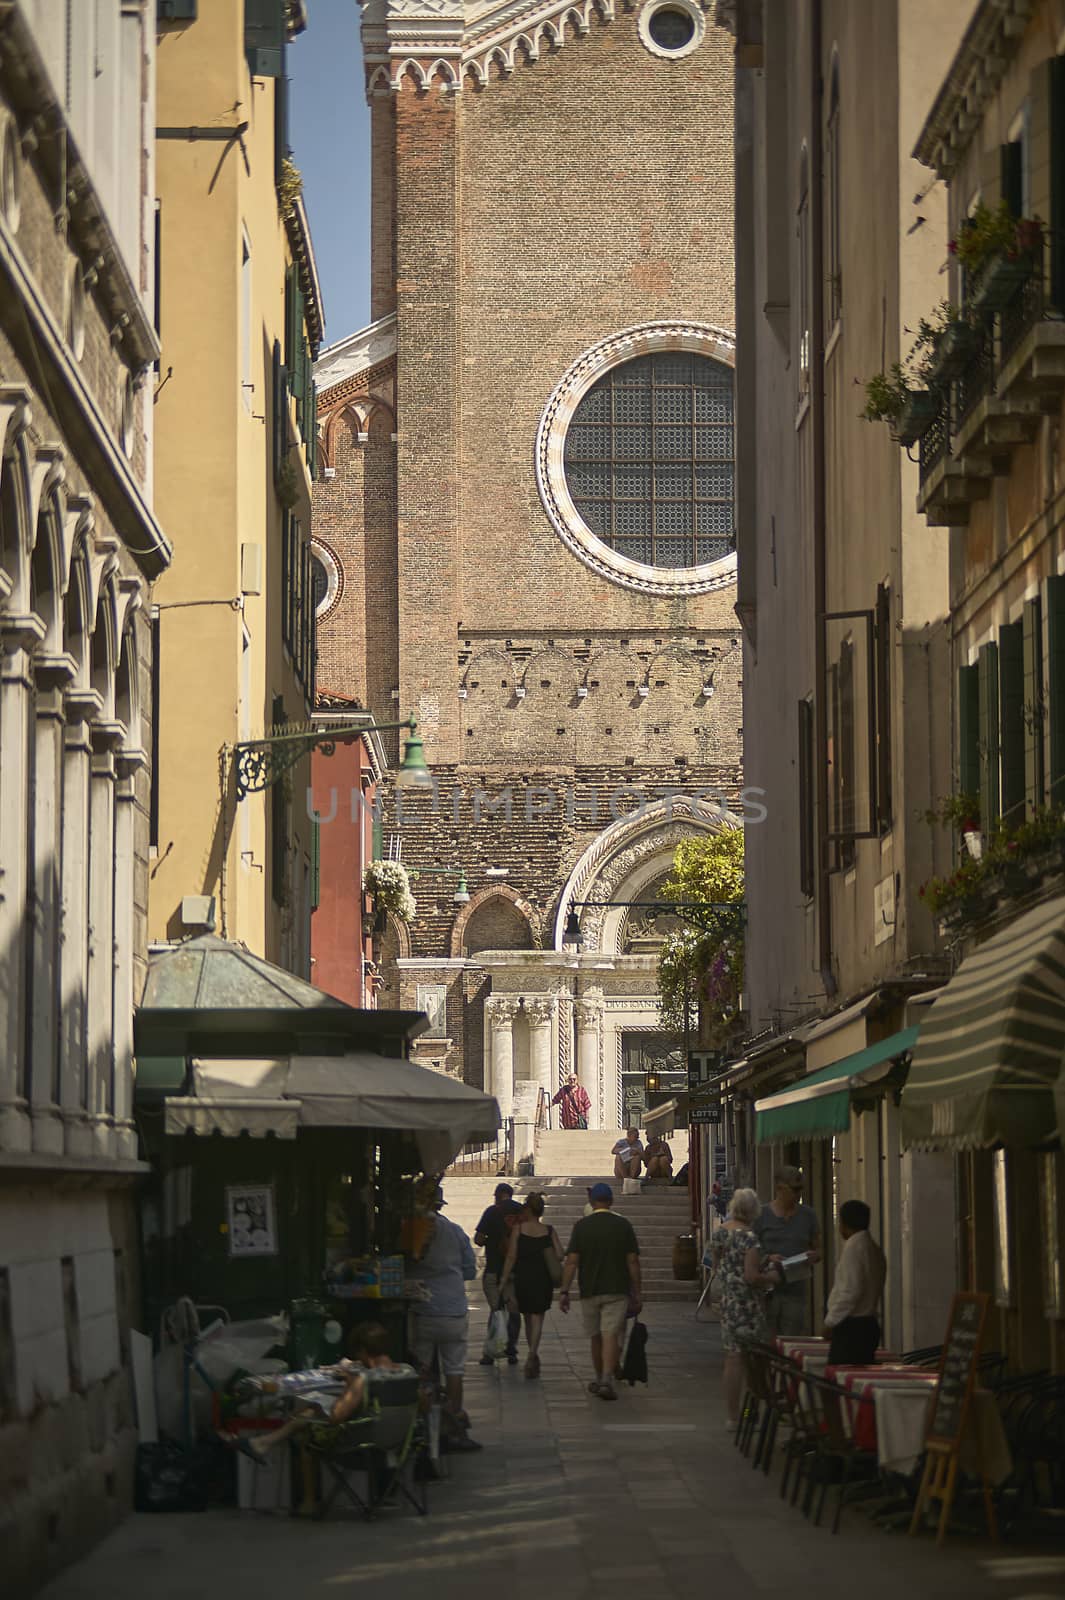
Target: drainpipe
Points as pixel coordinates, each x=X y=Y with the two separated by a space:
x=817 y=440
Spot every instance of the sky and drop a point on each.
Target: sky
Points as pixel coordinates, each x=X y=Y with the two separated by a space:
x=330 y=136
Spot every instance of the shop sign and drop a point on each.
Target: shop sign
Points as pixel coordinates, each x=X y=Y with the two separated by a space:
x=703 y=1065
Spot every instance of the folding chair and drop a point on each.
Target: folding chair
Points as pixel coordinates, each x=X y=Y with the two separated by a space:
x=384 y=1444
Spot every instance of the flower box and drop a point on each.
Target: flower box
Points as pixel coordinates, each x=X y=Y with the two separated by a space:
x=999 y=279
x=955 y=348
x=921 y=409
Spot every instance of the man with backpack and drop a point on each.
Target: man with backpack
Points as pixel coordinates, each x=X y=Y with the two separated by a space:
x=493 y=1237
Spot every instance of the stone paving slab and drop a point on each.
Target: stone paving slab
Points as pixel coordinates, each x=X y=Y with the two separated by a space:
x=571 y=1499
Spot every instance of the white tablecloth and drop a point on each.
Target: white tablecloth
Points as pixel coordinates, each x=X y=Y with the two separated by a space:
x=901 y=1414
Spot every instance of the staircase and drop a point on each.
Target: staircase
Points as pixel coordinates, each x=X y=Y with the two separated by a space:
x=658 y=1215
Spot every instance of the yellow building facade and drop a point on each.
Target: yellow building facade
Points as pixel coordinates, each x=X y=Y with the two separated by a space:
x=239 y=323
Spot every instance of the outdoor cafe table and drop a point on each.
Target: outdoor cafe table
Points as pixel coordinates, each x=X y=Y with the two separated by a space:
x=862 y=1384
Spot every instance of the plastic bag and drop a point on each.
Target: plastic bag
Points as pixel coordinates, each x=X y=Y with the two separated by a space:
x=496 y=1342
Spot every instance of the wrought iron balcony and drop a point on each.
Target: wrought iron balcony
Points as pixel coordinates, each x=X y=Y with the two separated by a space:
x=1013 y=378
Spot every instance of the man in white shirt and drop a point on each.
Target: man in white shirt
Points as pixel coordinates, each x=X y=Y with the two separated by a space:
x=852 y=1321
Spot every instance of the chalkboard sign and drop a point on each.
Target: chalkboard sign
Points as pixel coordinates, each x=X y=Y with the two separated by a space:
x=957 y=1370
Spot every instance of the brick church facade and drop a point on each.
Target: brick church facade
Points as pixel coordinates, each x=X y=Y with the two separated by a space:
x=523 y=518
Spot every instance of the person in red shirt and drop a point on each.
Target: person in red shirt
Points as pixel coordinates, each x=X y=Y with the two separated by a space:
x=573 y=1103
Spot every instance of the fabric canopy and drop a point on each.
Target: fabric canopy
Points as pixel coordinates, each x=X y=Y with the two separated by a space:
x=820 y=1105
x=349 y=1091
x=988 y=1059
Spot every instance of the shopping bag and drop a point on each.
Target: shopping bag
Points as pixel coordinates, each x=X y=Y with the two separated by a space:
x=496 y=1342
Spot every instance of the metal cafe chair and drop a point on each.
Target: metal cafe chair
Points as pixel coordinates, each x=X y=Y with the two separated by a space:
x=383 y=1446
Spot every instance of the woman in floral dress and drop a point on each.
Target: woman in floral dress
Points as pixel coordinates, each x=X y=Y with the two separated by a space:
x=738 y=1257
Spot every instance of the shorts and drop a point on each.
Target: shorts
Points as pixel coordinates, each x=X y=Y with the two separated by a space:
x=788 y=1313
x=445 y=1336
x=604 y=1313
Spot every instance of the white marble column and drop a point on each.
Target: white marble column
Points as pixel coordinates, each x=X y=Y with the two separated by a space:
x=73 y=1041
x=43 y=902
x=540 y=1013
x=501 y=1012
x=589 y=1011
x=17 y=632
x=125 y=841
x=101 y=1020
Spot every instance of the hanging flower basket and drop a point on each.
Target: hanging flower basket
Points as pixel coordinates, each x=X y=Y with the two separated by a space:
x=956 y=346
x=919 y=410
x=389 y=884
x=999 y=280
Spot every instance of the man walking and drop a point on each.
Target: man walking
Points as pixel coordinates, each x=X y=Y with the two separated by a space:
x=604 y=1251
x=852 y=1320
x=439 y=1332
x=573 y=1103
x=492 y=1236
x=787 y=1229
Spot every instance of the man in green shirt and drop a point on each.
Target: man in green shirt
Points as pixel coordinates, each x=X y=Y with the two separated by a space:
x=604 y=1250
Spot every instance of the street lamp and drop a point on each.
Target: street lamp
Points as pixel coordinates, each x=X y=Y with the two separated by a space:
x=260 y=763
x=461 y=897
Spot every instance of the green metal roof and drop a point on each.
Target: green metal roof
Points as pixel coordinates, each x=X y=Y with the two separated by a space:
x=210 y=973
x=819 y=1105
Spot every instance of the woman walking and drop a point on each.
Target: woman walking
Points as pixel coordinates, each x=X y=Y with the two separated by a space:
x=738 y=1257
x=528 y=1275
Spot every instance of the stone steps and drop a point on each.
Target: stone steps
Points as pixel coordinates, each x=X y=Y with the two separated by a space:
x=658 y=1213
x=573 y=1152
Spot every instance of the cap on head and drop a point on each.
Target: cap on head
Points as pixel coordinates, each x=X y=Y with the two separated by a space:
x=504 y=1188
x=790 y=1177
x=601 y=1194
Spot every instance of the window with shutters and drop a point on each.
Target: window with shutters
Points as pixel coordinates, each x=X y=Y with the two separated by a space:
x=988 y=699
x=1055 y=639
x=264 y=37
x=1011 y=723
x=833 y=237
x=807 y=849
x=883 y=642
x=279 y=820
x=1033 y=708
x=969 y=730
x=803 y=245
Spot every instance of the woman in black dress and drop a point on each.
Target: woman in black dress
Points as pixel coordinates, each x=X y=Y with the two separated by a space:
x=526 y=1274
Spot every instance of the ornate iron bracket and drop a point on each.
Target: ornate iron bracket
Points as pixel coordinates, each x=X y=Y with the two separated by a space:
x=260 y=763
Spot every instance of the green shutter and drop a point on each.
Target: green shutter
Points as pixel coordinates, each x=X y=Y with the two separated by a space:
x=1032 y=623
x=990 y=795
x=316 y=861
x=968 y=730
x=1057 y=180
x=280 y=411
x=1011 y=720
x=264 y=37
x=1055 y=604
x=295 y=343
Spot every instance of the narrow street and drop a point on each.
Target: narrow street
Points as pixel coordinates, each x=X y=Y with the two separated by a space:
x=569 y=1498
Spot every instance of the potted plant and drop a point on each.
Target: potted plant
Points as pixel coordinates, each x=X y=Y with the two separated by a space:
x=908 y=411
x=908 y=395
x=389 y=884
x=956 y=345
x=998 y=253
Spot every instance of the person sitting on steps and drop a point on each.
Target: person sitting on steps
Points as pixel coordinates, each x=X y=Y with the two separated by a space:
x=628 y=1154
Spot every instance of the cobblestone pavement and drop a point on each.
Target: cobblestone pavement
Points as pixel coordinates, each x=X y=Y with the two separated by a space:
x=570 y=1498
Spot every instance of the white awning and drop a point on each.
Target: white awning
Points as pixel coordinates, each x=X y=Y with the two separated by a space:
x=350 y=1091
x=259 y=1118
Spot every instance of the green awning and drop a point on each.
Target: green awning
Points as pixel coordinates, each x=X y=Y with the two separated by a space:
x=989 y=1055
x=820 y=1105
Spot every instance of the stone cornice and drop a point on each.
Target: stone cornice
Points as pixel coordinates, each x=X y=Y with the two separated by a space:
x=973 y=79
x=355 y=360
x=449 y=44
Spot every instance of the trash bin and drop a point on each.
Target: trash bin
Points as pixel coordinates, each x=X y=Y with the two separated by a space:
x=307 y=1344
x=685 y=1257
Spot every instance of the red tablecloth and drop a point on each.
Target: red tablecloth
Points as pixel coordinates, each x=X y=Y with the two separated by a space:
x=863 y=1385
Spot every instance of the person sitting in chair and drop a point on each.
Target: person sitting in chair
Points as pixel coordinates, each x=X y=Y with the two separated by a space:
x=368 y=1346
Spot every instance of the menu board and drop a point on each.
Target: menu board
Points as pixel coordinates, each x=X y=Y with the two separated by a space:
x=957 y=1369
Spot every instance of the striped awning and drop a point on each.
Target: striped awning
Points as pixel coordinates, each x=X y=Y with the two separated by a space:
x=819 y=1105
x=988 y=1058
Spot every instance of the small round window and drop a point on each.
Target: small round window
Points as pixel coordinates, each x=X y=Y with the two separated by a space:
x=671 y=28
x=327 y=579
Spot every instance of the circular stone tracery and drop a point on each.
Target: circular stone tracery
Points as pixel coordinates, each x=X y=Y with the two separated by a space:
x=671 y=28
x=612 y=522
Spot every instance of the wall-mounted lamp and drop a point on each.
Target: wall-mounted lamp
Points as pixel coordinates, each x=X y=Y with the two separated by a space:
x=461 y=897
x=260 y=763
